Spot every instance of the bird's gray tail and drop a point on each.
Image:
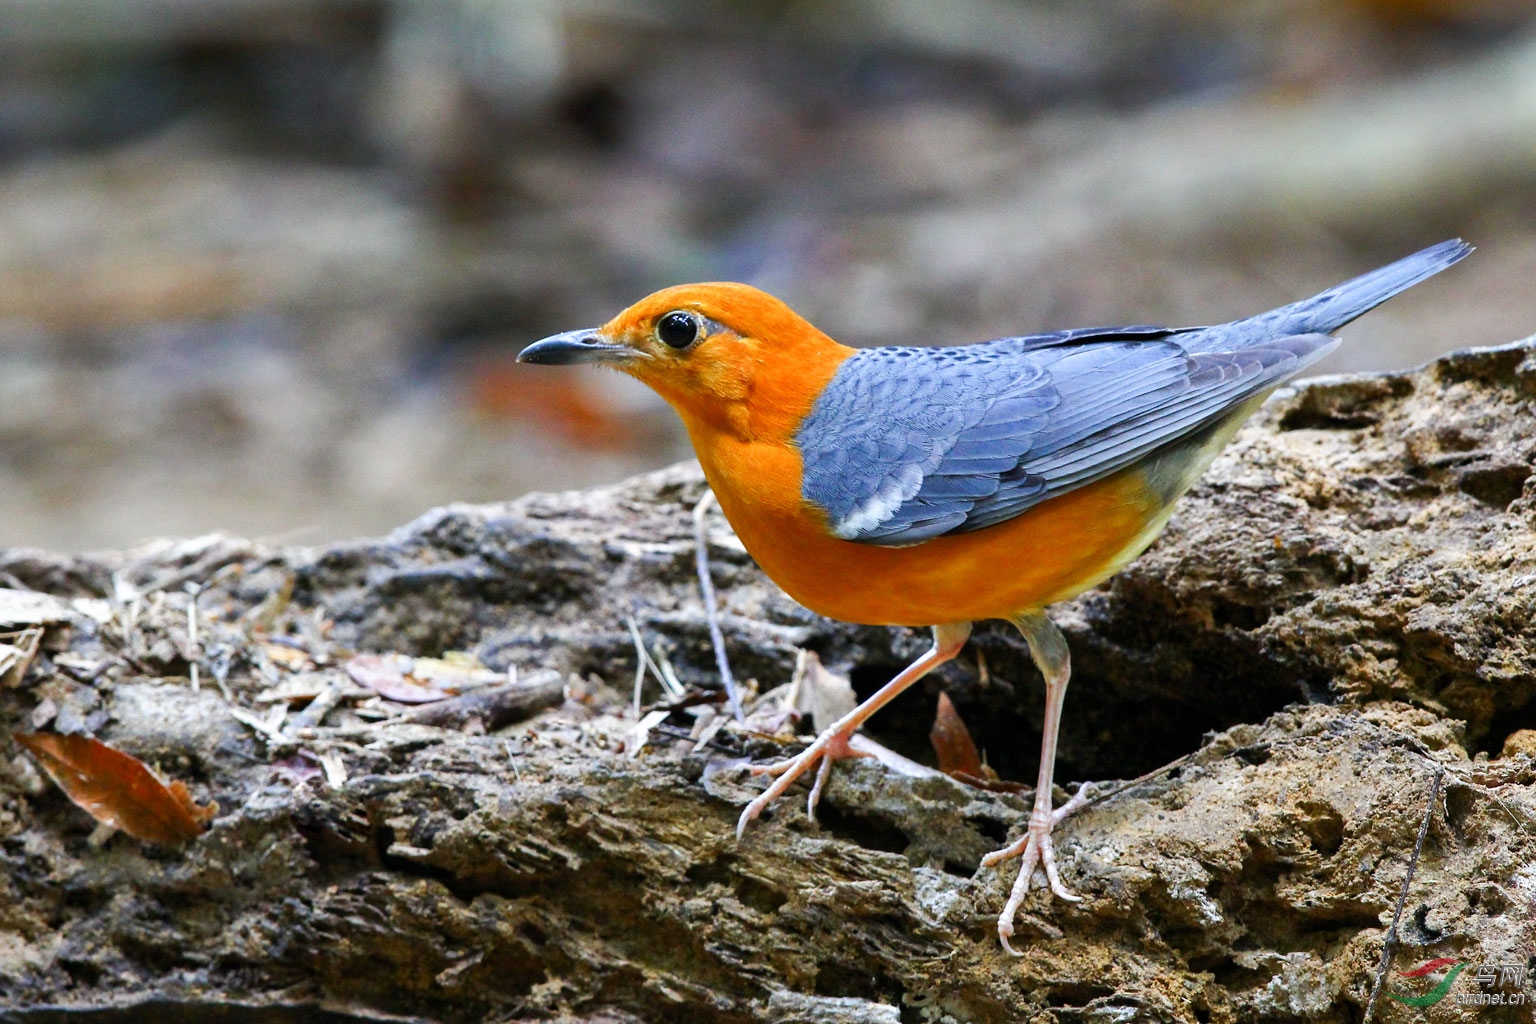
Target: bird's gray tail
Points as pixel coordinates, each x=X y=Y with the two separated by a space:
x=1327 y=311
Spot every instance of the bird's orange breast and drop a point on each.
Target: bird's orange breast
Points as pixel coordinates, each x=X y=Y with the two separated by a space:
x=1051 y=552
x=744 y=437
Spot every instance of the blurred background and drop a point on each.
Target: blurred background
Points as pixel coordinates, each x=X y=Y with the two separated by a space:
x=265 y=264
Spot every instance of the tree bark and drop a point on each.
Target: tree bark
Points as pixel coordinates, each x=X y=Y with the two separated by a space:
x=1343 y=606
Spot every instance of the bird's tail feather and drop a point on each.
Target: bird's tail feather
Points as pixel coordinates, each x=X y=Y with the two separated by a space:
x=1332 y=309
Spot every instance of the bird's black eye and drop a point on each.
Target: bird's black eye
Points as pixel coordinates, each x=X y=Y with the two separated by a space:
x=678 y=329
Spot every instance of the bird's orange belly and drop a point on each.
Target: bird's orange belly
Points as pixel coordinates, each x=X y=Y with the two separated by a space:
x=1055 y=550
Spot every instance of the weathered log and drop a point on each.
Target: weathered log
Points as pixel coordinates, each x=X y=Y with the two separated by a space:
x=1345 y=605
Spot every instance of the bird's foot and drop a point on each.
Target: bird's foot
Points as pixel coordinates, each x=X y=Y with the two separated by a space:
x=830 y=746
x=1035 y=848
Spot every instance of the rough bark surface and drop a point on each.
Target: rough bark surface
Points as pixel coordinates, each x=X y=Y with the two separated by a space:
x=1343 y=606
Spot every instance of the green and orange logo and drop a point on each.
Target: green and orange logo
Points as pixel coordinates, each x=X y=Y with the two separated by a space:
x=1437 y=993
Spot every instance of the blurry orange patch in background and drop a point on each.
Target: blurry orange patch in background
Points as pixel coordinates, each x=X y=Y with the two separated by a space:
x=566 y=405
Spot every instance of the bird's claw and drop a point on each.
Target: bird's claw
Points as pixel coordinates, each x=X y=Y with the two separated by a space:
x=1035 y=848
x=830 y=746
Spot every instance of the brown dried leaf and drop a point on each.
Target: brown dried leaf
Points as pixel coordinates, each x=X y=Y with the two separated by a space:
x=389 y=676
x=455 y=672
x=952 y=741
x=826 y=696
x=290 y=658
x=118 y=789
x=992 y=784
x=298 y=769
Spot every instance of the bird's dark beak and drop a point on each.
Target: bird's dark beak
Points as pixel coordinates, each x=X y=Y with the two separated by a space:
x=585 y=346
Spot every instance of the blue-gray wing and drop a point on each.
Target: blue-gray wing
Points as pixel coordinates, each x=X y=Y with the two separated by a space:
x=907 y=444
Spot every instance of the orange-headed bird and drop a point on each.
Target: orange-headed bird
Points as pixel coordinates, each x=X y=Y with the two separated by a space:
x=937 y=486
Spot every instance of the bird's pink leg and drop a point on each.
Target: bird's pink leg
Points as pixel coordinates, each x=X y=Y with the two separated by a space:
x=1035 y=848
x=832 y=744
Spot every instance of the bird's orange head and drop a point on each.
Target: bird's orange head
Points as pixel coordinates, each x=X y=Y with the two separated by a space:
x=729 y=358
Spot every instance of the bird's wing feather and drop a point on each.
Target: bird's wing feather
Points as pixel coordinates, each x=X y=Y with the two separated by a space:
x=907 y=444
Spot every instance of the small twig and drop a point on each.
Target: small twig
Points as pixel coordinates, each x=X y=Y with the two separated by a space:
x=340 y=733
x=1466 y=780
x=17 y=649
x=1402 y=897
x=725 y=744
x=669 y=681
x=1177 y=762
x=706 y=736
x=214 y=558
x=692 y=699
x=271 y=730
x=642 y=662
x=494 y=706
x=192 y=644
x=890 y=759
x=711 y=612
x=315 y=711
x=11 y=582
x=634 y=634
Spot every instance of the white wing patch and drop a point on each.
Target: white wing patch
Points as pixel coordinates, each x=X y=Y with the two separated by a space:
x=896 y=491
